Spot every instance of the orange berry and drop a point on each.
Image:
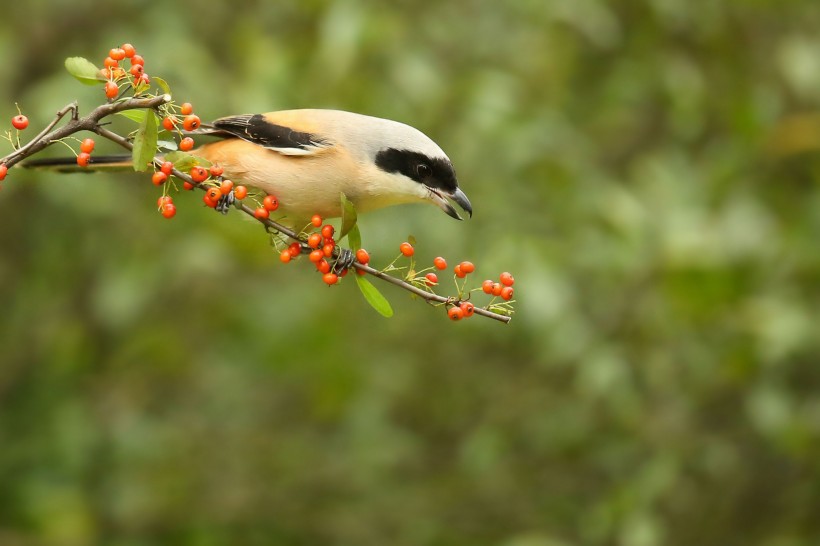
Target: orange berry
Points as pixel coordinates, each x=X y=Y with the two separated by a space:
x=117 y=54
x=240 y=192
x=137 y=71
x=432 y=279
x=361 y=272
x=186 y=109
x=406 y=249
x=19 y=122
x=285 y=256
x=330 y=278
x=316 y=255
x=111 y=90
x=322 y=266
x=497 y=289
x=191 y=122
x=169 y=210
x=261 y=213
x=467 y=267
x=226 y=186
x=487 y=286
x=213 y=194
x=327 y=250
x=110 y=63
x=328 y=231
x=83 y=158
x=208 y=201
x=316 y=220
x=270 y=202
x=159 y=178
x=468 y=308
x=3 y=171
x=295 y=249
x=440 y=263
x=314 y=240
x=362 y=256
x=198 y=173
x=169 y=123
x=216 y=170
x=87 y=145
x=129 y=50
x=459 y=272
x=137 y=59
x=167 y=167
x=455 y=313
x=163 y=199
x=187 y=185
x=506 y=279
x=186 y=144
x=507 y=293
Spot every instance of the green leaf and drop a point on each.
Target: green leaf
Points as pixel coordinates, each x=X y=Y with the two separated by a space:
x=375 y=298
x=162 y=84
x=349 y=216
x=145 y=143
x=411 y=239
x=133 y=115
x=354 y=238
x=84 y=70
x=184 y=161
x=169 y=145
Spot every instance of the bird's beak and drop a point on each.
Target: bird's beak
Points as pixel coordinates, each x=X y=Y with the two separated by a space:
x=458 y=197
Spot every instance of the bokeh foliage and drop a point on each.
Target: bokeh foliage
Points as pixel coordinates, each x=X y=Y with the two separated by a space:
x=648 y=169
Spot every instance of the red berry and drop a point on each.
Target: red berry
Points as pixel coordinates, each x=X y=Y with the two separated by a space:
x=316 y=220
x=186 y=109
x=191 y=122
x=459 y=272
x=137 y=59
x=432 y=279
x=186 y=144
x=110 y=63
x=117 y=54
x=507 y=293
x=440 y=263
x=209 y=201
x=111 y=90
x=213 y=194
x=83 y=158
x=3 y=171
x=361 y=272
x=163 y=199
x=216 y=170
x=455 y=313
x=159 y=178
x=295 y=249
x=226 y=186
x=169 y=122
x=187 y=185
x=19 y=122
x=497 y=289
x=362 y=256
x=143 y=80
x=468 y=308
x=137 y=71
x=328 y=231
x=198 y=173
x=322 y=266
x=169 y=210
x=129 y=50
x=240 y=192
x=261 y=213
x=285 y=256
x=467 y=267
x=314 y=240
x=270 y=203
x=316 y=255
x=327 y=250
x=167 y=167
x=330 y=278
x=406 y=249
x=487 y=286
x=87 y=145
x=506 y=279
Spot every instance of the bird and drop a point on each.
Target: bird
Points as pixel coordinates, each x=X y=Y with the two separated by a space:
x=308 y=157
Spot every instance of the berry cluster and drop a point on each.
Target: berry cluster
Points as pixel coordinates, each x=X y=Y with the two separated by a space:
x=321 y=248
x=116 y=75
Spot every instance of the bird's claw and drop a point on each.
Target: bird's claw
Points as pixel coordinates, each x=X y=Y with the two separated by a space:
x=344 y=260
x=225 y=202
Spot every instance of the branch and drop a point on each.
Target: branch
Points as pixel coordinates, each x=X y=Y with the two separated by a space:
x=91 y=122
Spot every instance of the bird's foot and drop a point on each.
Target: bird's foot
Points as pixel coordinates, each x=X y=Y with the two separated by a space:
x=344 y=260
x=225 y=202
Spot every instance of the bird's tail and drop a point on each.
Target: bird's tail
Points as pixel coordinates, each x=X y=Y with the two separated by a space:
x=69 y=164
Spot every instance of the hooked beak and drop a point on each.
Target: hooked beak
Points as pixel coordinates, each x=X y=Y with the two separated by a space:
x=458 y=197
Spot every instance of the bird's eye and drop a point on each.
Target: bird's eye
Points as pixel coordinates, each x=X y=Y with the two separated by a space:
x=423 y=170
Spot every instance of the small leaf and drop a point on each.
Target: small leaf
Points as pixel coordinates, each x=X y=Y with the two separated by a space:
x=375 y=298
x=162 y=84
x=349 y=216
x=84 y=70
x=169 y=145
x=411 y=240
x=145 y=143
x=133 y=115
x=354 y=238
x=184 y=161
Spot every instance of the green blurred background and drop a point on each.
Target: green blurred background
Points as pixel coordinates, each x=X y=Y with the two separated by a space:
x=648 y=169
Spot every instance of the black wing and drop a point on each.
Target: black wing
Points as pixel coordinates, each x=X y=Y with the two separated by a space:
x=256 y=129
